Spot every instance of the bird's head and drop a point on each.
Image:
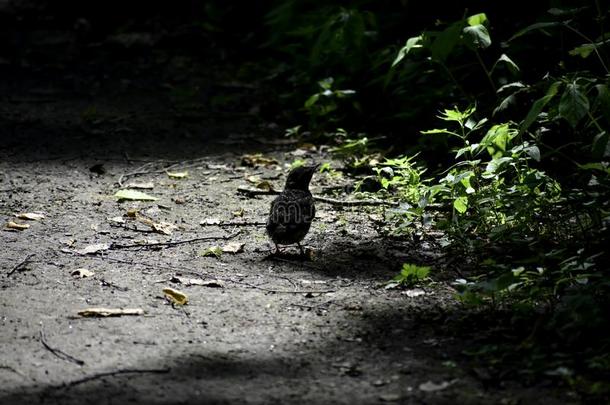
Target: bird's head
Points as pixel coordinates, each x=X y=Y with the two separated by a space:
x=299 y=177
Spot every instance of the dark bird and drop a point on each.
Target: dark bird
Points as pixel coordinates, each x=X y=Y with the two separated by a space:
x=293 y=210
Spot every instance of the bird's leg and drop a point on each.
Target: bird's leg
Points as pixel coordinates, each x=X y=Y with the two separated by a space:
x=301 y=247
x=277 y=250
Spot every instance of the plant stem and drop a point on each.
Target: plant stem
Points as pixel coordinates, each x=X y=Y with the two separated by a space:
x=594 y=121
x=454 y=80
x=589 y=40
x=487 y=74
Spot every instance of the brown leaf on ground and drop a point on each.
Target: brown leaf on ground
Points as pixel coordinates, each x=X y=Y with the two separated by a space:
x=175 y=296
x=258 y=159
x=82 y=273
x=198 y=281
x=31 y=216
x=233 y=247
x=93 y=249
x=164 y=228
x=105 y=312
x=141 y=186
x=17 y=226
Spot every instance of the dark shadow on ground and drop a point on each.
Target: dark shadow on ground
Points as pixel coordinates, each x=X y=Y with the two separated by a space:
x=410 y=343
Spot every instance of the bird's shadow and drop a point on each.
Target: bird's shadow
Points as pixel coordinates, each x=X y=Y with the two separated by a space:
x=353 y=258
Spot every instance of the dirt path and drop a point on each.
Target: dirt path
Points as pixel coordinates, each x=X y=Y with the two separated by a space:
x=266 y=331
x=278 y=331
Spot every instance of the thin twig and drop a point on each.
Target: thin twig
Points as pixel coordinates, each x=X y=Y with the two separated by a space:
x=116 y=246
x=5 y=367
x=113 y=373
x=112 y=285
x=284 y=291
x=133 y=229
x=353 y=203
x=20 y=264
x=249 y=223
x=142 y=169
x=253 y=192
x=250 y=192
x=62 y=355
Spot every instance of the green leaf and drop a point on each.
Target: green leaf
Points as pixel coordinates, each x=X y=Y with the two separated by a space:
x=133 y=195
x=533 y=152
x=574 y=104
x=439 y=131
x=466 y=183
x=512 y=66
x=496 y=164
x=602 y=101
x=445 y=41
x=497 y=139
x=214 y=251
x=477 y=19
x=478 y=35
x=456 y=115
x=595 y=166
x=411 y=274
x=507 y=102
x=512 y=86
x=538 y=106
x=583 y=50
x=412 y=43
x=536 y=27
x=312 y=100
x=461 y=204
x=327 y=83
x=601 y=145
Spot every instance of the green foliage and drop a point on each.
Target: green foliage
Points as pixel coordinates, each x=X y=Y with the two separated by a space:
x=516 y=168
x=411 y=275
x=322 y=104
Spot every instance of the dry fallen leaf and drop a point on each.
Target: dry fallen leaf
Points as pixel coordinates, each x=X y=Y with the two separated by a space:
x=92 y=249
x=133 y=195
x=175 y=296
x=233 y=247
x=82 y=273
x=68 y=241
x=390 y=397
x=257 y=159
x=429 y=386
x=30 y=216
x=177 y=175
x=264 y=185
x=303 y=281
x=104 y=312
x=163 y=227
x=145 y=241
x=414 y=293
x=141 y=186
x=213 y=283
x=210 y=221
x=117 y=220
x=198 y=281
x=17 y=226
